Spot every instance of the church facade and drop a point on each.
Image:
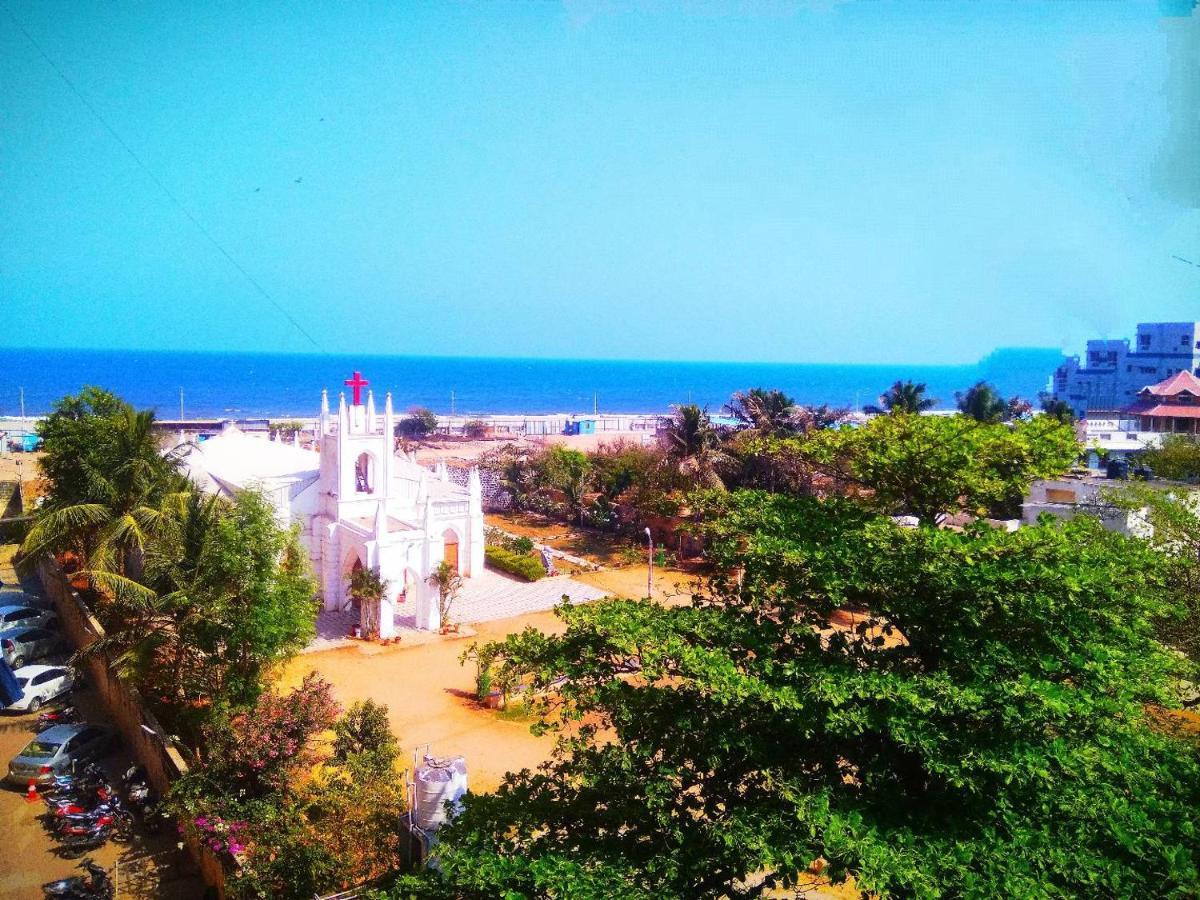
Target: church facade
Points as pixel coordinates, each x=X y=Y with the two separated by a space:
x=358 y=504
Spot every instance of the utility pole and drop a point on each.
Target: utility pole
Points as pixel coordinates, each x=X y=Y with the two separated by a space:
x=22 y=391
x=595 y=403
x=452 y=401
x=181 y=406
x=649 y=564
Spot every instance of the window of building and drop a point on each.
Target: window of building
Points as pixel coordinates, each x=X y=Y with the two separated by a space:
x=1143 y=342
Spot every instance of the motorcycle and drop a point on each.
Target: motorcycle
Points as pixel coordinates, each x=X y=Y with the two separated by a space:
x=96 y=885
x=117 y=821
x=77 y=803
x=142 y=798
x=63 y=715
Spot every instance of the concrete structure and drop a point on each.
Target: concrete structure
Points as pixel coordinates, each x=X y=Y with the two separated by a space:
x=358 y=504
x=1172 y=406
x=1113 y=372
x=1068 y=497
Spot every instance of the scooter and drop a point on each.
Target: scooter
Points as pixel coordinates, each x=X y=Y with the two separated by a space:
x=79 y=803
x=96 y=885
x=89 y=837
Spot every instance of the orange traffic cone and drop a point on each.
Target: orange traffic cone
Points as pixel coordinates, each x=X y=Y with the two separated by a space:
x=31 y=794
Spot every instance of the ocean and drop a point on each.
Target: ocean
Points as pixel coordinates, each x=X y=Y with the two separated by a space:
x=239 y=385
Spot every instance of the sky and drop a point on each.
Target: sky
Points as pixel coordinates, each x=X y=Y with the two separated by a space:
x=698 y=179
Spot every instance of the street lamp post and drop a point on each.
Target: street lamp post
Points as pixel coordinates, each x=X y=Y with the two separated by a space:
x=649 y=564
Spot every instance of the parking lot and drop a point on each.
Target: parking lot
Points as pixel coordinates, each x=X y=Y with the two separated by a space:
x=146 y=866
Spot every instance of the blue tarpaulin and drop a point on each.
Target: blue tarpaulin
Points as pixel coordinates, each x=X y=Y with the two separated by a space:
x=9 y=691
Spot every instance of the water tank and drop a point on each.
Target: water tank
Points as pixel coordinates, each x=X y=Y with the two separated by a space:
x=438 y=786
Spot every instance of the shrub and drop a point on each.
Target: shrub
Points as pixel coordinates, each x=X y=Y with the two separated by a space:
x=526 y=567
x=365 y=729
x=418 y=423
x=521 y=545
x=476 y=428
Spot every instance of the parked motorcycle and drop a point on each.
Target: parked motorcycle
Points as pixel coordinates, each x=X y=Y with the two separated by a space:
x=63 y=715
x=78 y=802
x=96 y=885
x=119 y=823
x=142 y=799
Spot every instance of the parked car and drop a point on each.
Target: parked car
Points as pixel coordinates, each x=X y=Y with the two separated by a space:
x=41 y=683
x=58 y=750
x=15 y=595
x=13 y=616
x=20 y=645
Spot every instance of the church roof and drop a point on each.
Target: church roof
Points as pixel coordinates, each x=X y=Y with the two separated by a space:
x=234 y=457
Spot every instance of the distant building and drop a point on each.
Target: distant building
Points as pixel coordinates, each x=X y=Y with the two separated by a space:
x=1112 y=373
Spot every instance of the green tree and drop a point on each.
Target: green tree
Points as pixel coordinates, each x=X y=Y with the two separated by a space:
x=1178 y=457
x=369 y=589
x=1058 y=409
x=446 y=580
x=903 y=397
x=569 y=471
x=928 y=466
x=982 y=731
x=226 y=594
x=364 y=729
x=1172 y=526
x=420 y=422
x=766 y=411
x=983 y=404
x=695 y=445
x=107 y=481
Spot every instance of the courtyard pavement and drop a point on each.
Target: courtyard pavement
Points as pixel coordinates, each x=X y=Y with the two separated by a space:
x=485 y=597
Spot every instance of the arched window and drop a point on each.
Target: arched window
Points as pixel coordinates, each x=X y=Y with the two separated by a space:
x=364 y=474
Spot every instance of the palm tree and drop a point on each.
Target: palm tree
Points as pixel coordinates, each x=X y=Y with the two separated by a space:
x=983 y=403
x=695 y=445
x=448 y=583
x=369 y=589
x=158 y=613
x=766 y=411
x=123 y=506
x=903 y=397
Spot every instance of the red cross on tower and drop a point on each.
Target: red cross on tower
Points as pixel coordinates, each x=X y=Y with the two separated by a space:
x=357 y=383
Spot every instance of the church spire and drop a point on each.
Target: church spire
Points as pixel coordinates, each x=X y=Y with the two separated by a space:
x=324 y=429
x=370 y=429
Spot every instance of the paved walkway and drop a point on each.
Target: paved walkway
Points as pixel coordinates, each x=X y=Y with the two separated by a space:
x=484 y=598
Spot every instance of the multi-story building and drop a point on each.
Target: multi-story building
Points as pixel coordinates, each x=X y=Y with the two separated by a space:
x=1112 y=372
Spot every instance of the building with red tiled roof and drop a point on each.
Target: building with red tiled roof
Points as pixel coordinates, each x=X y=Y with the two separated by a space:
x=1172 y=405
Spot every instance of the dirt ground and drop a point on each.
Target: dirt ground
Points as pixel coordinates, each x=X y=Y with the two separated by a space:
x=431 y=450
x=431 y=696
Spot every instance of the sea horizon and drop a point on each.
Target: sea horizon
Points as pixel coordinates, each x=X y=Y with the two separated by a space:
x=239 y=384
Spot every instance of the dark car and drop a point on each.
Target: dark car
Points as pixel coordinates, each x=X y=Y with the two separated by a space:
x=20 y=645
x=13 y=616
x=58 y=750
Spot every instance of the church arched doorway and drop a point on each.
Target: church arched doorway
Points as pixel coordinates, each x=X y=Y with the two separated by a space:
x=450 y=548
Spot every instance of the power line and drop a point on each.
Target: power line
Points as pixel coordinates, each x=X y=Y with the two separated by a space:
x=154 y=178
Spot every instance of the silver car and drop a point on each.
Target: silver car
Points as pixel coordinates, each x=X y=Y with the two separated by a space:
x=20 y=645
x=58 y=750
x=15 y=616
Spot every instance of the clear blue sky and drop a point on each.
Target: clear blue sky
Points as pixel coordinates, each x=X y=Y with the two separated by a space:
x=824 y=182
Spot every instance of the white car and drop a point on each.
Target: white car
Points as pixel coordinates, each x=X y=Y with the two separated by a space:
x=41 y=683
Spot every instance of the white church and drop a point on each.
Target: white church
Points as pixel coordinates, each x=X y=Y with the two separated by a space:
x=358 y=503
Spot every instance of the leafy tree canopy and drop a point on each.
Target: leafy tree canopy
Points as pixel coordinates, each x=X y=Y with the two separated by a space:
x=418 y=423
x=1177 y=457
x=928 y=466
x=979 y=729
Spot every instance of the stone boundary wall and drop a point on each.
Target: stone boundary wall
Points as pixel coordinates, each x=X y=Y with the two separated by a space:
x=143 y=736
x=495 y=497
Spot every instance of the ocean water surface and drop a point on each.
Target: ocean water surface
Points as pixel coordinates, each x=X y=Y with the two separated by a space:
x=217 y=385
